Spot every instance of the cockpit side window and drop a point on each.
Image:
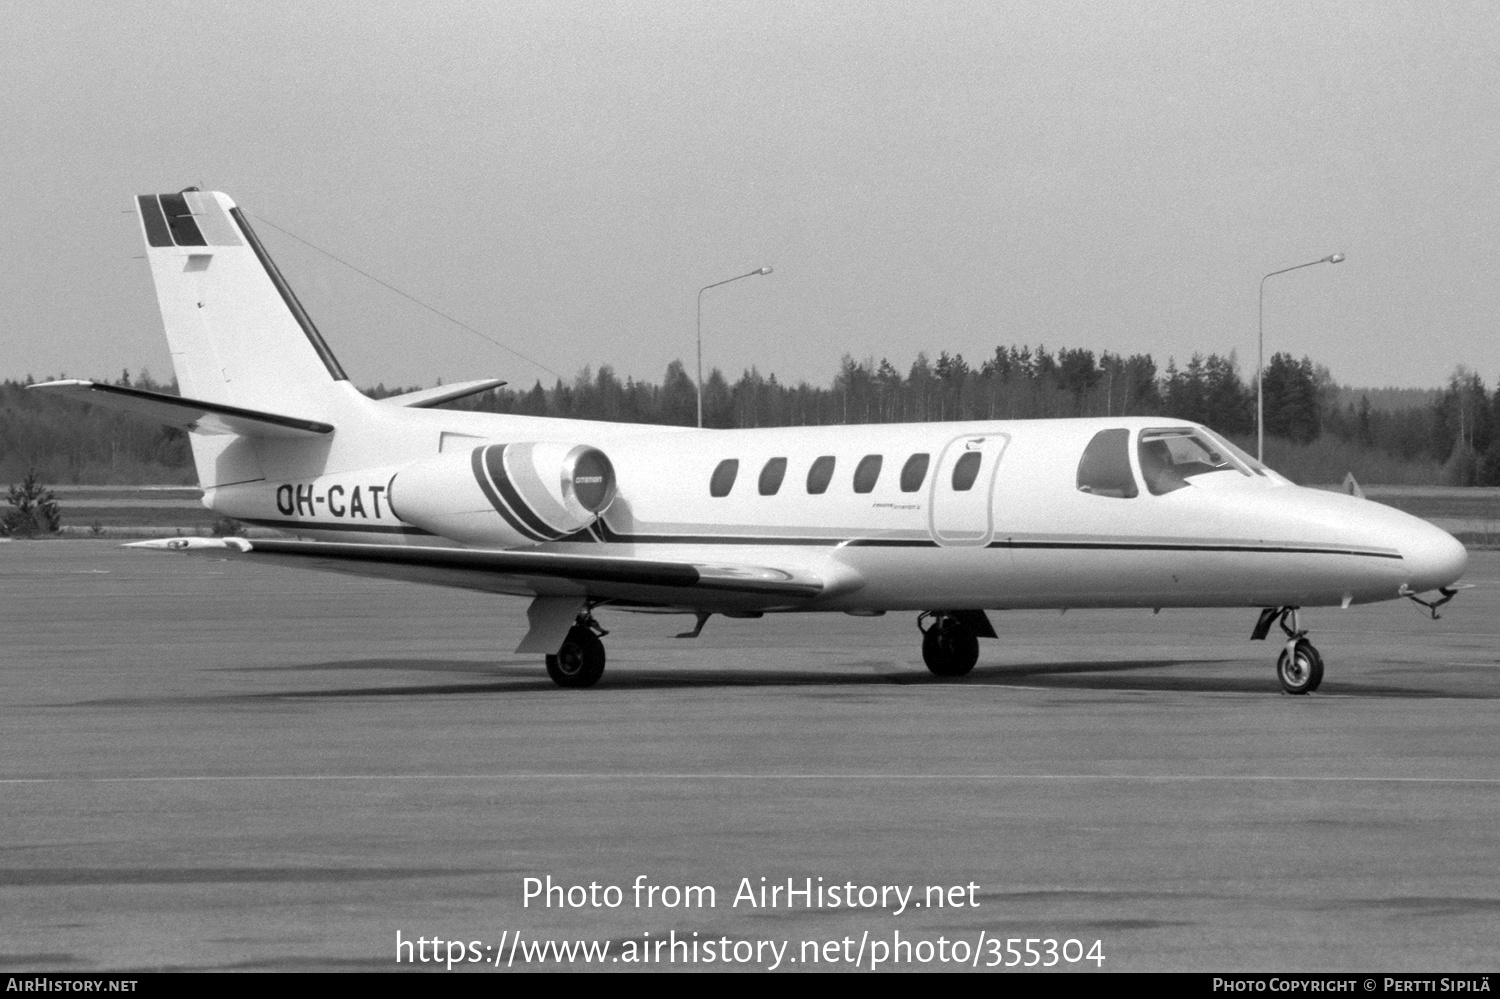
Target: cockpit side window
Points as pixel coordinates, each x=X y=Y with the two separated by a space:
x=1104 y=469
x=1170 y=456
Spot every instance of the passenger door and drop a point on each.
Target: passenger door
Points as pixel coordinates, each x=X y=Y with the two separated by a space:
x=962 y=489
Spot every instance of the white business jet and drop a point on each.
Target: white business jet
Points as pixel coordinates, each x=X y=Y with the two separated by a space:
x=946 y=519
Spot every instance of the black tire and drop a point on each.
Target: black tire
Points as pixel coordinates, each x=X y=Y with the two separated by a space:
x=1317 y=673
x=1300 y=668
x=580 y=661
x=949 y=649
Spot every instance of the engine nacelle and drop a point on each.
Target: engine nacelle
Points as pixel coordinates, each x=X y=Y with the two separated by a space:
x=505 y=495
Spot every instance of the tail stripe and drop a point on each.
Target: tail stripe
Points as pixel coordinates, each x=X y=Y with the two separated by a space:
x=494 y=460
x=156 y=225
x=180 y=220
x=313 y=336
x=477 y=460
x=212 y=221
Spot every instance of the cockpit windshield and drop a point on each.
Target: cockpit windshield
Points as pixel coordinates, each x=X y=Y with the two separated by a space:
x=1245 y=459
x=1171 y=455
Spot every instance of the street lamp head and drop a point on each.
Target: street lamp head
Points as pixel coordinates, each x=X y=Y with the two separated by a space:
x=1336 y=258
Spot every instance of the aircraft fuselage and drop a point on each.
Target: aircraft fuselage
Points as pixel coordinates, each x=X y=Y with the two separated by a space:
x=1023 y=534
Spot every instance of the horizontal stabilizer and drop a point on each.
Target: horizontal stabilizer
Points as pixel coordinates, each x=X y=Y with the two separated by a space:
x=599 y=576
x=187 y=414
x=427 y=398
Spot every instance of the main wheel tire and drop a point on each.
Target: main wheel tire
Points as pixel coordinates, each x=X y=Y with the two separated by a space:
x=580 y=661
x=949 y=649
x=1300 y=668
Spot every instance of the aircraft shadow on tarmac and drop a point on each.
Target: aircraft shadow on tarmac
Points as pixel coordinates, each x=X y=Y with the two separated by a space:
x=1142 y=676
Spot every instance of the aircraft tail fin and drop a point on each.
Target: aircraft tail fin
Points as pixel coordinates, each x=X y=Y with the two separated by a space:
x=238 y=335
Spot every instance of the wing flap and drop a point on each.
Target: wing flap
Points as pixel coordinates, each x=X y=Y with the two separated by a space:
x=187 y=414
x=652 y=581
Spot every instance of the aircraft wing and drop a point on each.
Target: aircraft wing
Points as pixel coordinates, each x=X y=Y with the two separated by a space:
x=187 y=414
x=695 y=585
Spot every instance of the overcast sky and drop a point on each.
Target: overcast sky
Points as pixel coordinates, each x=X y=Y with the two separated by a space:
x=922 y=176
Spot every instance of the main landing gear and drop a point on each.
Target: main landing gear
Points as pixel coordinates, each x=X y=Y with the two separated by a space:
x=580 y=660
x=1299 y=667
x=949 y=645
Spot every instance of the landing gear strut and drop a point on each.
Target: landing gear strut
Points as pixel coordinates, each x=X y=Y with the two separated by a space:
x=949 y=646
x=580 y=660
x=1299 y=667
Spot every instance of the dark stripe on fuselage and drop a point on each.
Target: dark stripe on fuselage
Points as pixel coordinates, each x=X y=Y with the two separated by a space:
x=1187 y=547
x=494 y=460
x=891 y=543
x=303 y=525
x=610 y=535
x=477 y=463
x=303 y=319
x=663 y=539
x=157 y=233
x=180 y=220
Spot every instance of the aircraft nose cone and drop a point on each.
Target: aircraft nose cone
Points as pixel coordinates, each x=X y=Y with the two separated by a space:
x=1433 y=557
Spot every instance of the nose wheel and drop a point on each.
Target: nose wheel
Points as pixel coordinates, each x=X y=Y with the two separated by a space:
x=949 y=647
x=1299 y=668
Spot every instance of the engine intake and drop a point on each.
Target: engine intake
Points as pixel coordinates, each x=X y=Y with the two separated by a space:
x=506 y=494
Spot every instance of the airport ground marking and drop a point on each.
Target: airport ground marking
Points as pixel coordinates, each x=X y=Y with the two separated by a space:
x=1142 y=778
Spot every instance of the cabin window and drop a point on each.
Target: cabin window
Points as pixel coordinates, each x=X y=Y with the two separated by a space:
x=867 y=472
x=1104 y=469
x=820 y=475
x=1171 y=456
x=723 y=479
x=914 y=472
x=966 y=470
x=771 y=476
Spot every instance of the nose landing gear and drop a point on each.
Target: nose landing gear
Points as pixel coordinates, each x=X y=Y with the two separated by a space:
x=1299 y=667
x=949 y=647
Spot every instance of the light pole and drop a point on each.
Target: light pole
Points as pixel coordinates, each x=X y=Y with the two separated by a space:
x=1260 y=354
x=762 y=270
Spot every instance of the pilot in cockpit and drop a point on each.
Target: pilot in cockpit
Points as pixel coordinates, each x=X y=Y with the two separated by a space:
x=1158 y=468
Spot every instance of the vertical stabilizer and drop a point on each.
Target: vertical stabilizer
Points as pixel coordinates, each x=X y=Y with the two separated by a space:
x=237 y=333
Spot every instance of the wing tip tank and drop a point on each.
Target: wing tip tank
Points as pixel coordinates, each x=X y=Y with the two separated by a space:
x=192 y=545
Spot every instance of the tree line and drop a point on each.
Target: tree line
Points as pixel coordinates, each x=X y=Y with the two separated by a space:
x=72 y=442
x=1458 y=431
